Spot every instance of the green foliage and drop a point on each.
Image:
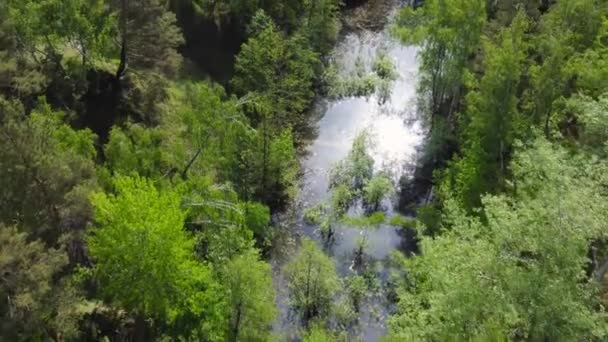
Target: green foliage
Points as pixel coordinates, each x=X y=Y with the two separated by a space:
x=36 y=302
x=250 y=295
x=46 y=168
x=360 y=84
x=321 y=23
x=274 y=73
x=315 y=214
x=203 y=128
x=344 y=315
x=491 y=118
x=206 y=133
x=317 y=20
x=373 y=220
x=503 y=12
x=150 y=36
x=519 y=272
x=568 y=28
x=136 y=150
x=259 y=22
x=327 y=227
x=283 y=165
x=191 y=172
x=402 y=221
x=591 y=66
x=357 y=168
x=269 y=167
x=576 y=22
x=257 y=219
x=590 y=116
x=52 y=27
x=224 y=11
x=514 y=265
x=317 y=333
x=140 y=243
x=449 y=32
x=384 y=67
x=312 y=282
x=357 y=290
x=361 y=81
x=440 y=139
x=218 y=217
x=341 y=199
x=430 y=218
x=277 y=73
x=170 y=248
x=378 y=188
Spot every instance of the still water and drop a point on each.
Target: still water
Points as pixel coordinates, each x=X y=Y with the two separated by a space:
x=397 y=135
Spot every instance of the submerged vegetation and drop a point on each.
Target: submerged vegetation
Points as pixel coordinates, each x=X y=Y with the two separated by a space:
x=363 y=80
x=141 y=192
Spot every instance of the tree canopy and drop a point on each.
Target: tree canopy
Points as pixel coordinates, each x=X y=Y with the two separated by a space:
x=146 y=198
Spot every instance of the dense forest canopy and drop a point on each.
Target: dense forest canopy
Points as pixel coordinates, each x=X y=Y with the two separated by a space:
x=148 y=146
x=513 y=245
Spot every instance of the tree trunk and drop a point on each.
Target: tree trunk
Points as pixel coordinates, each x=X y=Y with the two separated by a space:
x=547 y=130
x=502 y=159
x=139 y=334
x=237 y=323
x=307 y=313
x=189 y=165
x=122 y=67
x=601 y=271
x=265 y=152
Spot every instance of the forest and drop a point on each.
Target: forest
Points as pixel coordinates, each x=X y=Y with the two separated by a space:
x=169 y=170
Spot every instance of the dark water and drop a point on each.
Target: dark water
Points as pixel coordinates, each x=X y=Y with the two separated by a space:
x=396 y=135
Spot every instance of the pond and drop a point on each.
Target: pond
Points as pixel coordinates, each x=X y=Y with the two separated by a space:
x=396 y=134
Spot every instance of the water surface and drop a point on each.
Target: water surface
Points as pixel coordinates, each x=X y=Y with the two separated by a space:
x=396 y=135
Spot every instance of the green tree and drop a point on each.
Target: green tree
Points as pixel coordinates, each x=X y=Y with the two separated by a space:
x=239 y=12
x=46 y=171
x=376 y=190
x=502 y=12
x=203 y=128
x=357 y=168
x=250 y=294
x=568 y=28
x=37 y=302
x=591 y=125
x=257 y=219
x=591 y=67
x=312 y=282
x=268 y=167
x=277 y=73
x=321 y=23
x=136 y=149
x=350 y=179
x=519 y=272
x=149 y=37
x=357 y=288
x=449 y=32
x=140 y=243
x=342 y=197
x=51 y=29
x=491 y=117
x=218 y=218
x=48 y=46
